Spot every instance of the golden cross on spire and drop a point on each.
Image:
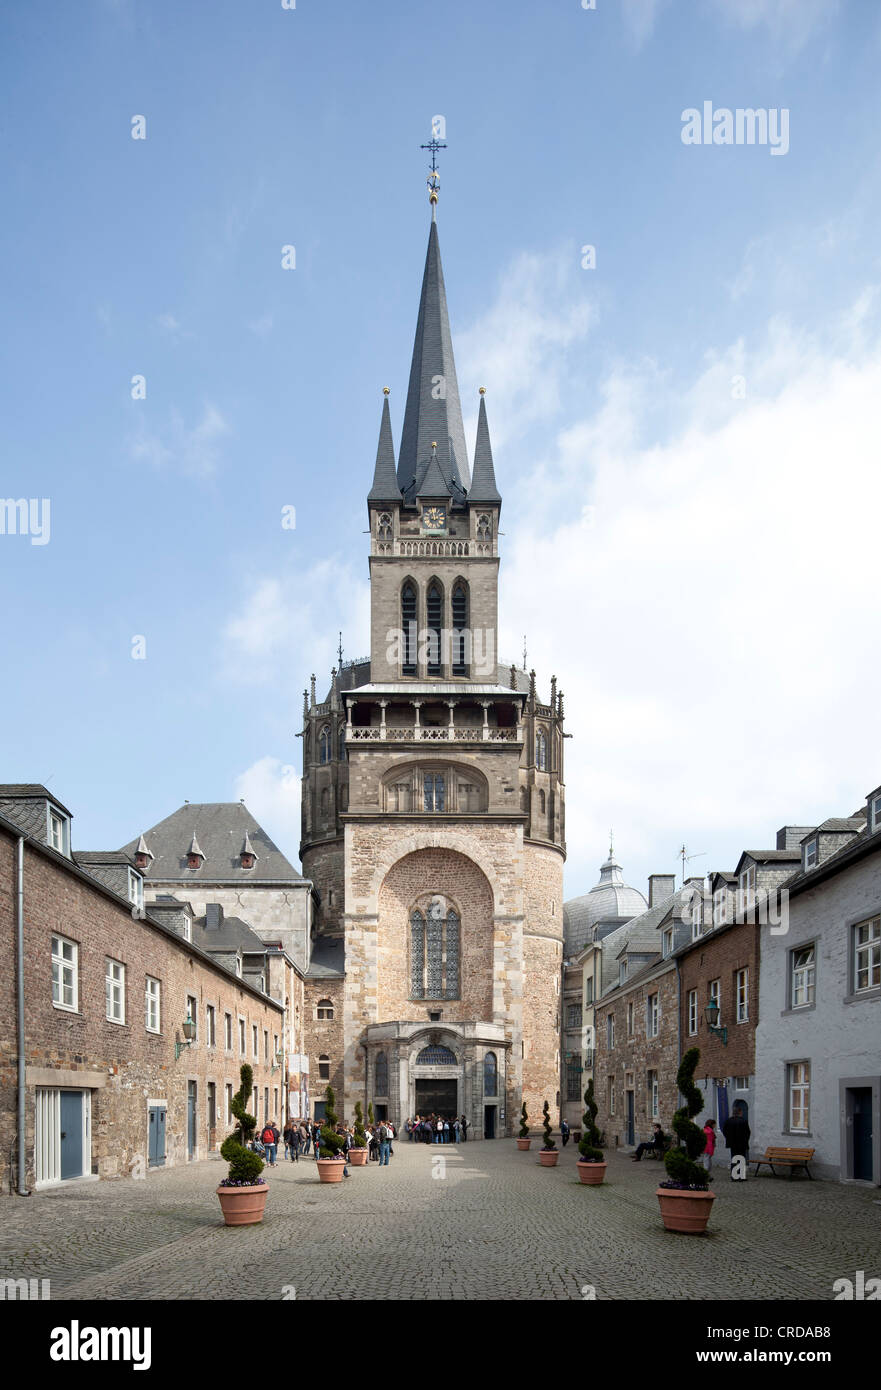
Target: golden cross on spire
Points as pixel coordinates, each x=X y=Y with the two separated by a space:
x=438 y=127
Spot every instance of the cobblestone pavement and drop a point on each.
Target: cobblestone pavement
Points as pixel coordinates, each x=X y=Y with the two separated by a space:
x=481 y=1221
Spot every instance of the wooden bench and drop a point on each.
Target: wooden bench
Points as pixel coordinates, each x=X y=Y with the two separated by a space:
x=785 y=1158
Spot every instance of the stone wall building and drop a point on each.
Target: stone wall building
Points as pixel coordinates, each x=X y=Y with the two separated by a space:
x=112 y=1087
x=433 y=815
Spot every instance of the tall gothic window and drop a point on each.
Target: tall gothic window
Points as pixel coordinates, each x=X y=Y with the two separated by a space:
x=324 y=744
x=433 y=791
x=435 y=964
x=460 y=623
x=490 y=1075
x=541 y=751
x=434 y=608
x=541 y=802
x=381 y=1074
x=409 y=626
x=384 y=526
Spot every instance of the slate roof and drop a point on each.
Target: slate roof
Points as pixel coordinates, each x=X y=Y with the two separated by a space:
x=610 y=900
x=221 y=827
x=327 y=959
x=231 y=934
x=483 y=486
x=838 y=825
x=430 y=416
x=25 y=803
x=772 y=856
x=385 y=483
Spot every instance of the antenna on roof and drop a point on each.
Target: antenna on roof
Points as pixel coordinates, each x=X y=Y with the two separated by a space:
x=340 y=653
x=686 y=858
x=524 y=651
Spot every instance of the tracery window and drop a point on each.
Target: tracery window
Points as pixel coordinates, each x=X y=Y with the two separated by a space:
x=381 y=1074
x=436 y=1056
x=324 y=744
x=433 y=791
x=434 y=610
x=435 y=952
x=483 y=525
x=541 y=751
x=409 y=626
x=490 y=1075
x=460 y=624
x=384 y=526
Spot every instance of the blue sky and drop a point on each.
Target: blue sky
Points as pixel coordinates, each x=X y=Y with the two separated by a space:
x=692 y=558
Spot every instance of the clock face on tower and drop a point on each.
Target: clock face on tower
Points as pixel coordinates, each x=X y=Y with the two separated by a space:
x=434 y=518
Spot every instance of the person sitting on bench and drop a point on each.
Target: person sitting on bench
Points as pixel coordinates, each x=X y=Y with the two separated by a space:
x=656 y=1142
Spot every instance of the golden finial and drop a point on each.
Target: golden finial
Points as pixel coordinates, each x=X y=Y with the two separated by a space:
x=385 y=390
x=434 y=444
x=482 y=390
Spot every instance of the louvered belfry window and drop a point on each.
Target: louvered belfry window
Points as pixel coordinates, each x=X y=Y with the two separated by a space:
x=434 y=612
x=460 y=623
x=409 y=626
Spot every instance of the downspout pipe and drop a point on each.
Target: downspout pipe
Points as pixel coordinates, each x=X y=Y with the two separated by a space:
x=22 y=1189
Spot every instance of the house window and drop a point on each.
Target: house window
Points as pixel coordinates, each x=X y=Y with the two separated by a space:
x=630 y=1020
x=875 y=812
x=867 y=954
x=325 y=1010
x=573 y=1077
x=242 y=1036
x=58 y=831
x=152 y=1005
x=135 y=888
x=541 y=751
x=192 y=1003
x=720 y=907
x=667 y=938
x=747 y=889
x=741 y=1083
x=652 y=1010
x=741 y=994
x=410 y=628
x=573 y=1016
x=652 y=1097
x=610 y=1094
x=210 y=1025
x=715 y=997
x=324 y=744
x=324 y=1067
x=229 y=1102
x=65 y=972
x=227 y=1032
x=433 y=791
x=812 y=854
x=254 y=1041
x=692 y=1013
x=610 y=1031
x=114 y=990
x=801 y=986
x=266 y=1044
x=490 y=1075
x=799 y=1097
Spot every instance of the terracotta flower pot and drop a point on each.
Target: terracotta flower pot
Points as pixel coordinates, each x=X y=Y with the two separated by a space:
x=243 y=1206
x=591 y=1173
x=358 y=1157
x=523 y=1143
x=685 y=1211
x=549 y=1158
x=331 y=1169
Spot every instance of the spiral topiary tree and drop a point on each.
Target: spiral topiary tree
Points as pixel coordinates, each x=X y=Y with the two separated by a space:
x=524 y=1127
x=359 y=1135
x=245 y=1166
x=550 y=1142
x=589 y=1144
x=683 y=1170
x=370 y=1116
x=331 y=1142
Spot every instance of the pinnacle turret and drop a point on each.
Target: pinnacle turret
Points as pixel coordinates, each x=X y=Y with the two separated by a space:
x=483 y=486
x=385 y=484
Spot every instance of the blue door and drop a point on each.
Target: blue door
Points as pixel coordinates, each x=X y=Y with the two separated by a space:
x=156 y=1136
x=191 y=1119
x=71 y=1134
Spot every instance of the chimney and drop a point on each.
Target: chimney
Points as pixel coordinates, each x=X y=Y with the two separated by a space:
x=213 y=916
x=660 y=887
x=790 y=836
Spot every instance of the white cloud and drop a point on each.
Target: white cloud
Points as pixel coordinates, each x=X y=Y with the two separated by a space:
x=790 y=23
x=261 y=326
x=640 y=16
x=709 y=619
x=193 y=451
x=271 y=791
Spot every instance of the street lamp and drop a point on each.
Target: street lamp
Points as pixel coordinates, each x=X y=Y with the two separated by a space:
x=189 y=1031
x=279 y=1058
x=711 y=1013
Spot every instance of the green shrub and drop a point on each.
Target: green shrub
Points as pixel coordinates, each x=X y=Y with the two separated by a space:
x=524 y=1127
x=245 y=1166
x=331 y=1142
x=683 y=1170
x=589 y=1144
x=359 y=1135
x=370 y=1116
x=549 y=1142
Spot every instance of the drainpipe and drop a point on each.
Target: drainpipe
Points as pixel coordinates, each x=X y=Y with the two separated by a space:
x=22 y=1189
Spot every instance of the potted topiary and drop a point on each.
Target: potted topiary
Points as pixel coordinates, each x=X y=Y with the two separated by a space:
x=684 y=1198
x=243 y=1192
x=358 y=1154
x=548 y=1154
x=591 y=1165
x=524 y=1140
x=331 y=1160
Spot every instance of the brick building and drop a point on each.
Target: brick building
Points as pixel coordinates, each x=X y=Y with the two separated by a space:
x=111 y=1086
x=433 y=822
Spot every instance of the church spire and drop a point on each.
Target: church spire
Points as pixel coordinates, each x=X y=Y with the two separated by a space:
x=433 y=411
x=483 y=487
x=385 y=486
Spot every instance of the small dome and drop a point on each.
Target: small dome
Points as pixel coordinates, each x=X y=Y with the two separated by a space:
x=611 y=900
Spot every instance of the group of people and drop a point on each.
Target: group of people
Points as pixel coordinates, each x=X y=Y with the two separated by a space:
x=301 y=1135
x=735 y=1131
x=437 y=1129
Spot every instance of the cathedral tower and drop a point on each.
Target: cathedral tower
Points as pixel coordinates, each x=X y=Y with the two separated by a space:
x=433 y=813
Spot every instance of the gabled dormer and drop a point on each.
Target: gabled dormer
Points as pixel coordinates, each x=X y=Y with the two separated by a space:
x=828 y=839
x=873 y=811
x=32 y=807
x=195 y=857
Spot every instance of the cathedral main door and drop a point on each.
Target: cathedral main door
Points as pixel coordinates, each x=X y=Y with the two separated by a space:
x=436 y=1097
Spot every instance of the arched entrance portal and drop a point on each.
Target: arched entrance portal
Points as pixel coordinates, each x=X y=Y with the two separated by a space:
x=436 y=1090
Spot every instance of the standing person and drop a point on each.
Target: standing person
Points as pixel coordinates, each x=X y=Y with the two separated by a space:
x=316 y=1140
x=446 y=1131
x=270 y=1137
x=710 y=1149
x=385 y=1136
x=457 y=1130
x=296 y=1142
x=736 y=1131
x=464 y=1124
x=288 y=1139
x=564 y=1132
x=305 y=1136
x=439 y=1128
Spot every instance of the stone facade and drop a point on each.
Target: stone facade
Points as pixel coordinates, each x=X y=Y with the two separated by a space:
x=635 y=1072
x=116 y=1071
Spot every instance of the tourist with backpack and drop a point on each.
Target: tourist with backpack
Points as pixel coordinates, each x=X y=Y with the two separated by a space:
x=270 y=1137
x=385 y=1143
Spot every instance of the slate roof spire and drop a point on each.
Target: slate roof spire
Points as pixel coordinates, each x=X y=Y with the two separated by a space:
x=385 y=484
x=433 y=411
x=483 y=486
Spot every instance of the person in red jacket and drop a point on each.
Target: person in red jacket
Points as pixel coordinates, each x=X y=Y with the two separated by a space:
x=710 y=1148
x=270 y=1139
